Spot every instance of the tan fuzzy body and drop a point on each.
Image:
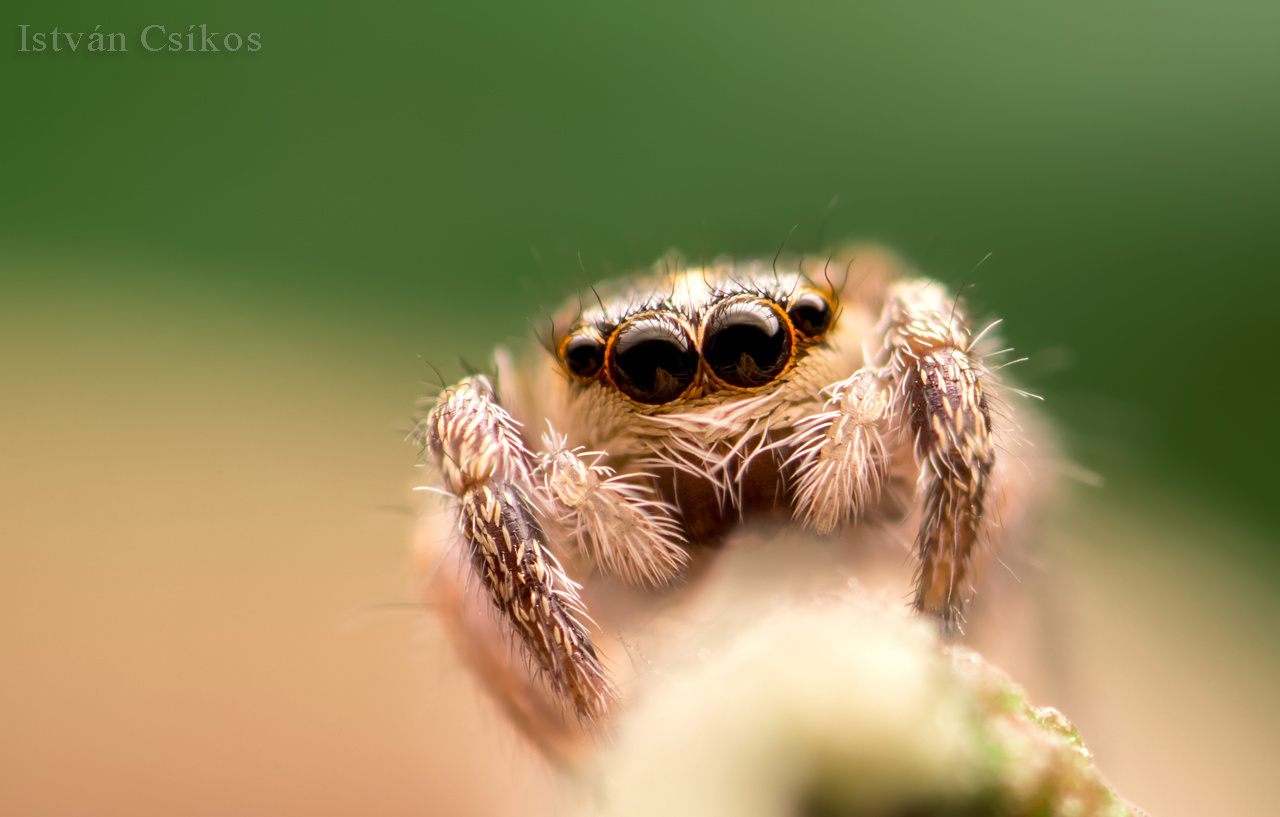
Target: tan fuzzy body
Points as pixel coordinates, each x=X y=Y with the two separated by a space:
x=692 y=410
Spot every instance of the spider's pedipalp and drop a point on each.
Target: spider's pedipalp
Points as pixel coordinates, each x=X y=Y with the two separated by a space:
x=618 y=520
x=838 y=455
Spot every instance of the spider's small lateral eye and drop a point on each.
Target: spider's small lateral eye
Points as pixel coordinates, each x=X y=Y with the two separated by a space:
x=810 y=315
x=583 y=355
x=746 y=343
x=652 y=359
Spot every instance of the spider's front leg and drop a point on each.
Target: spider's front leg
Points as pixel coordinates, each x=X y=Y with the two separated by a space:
x=940 y=395
x=931 y=381
x=484 y=464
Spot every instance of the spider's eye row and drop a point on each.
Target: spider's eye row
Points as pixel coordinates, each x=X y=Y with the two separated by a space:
x=652 y=359
x=744 y=340
x=810 y=315
x=746 y=343
x=583 y=355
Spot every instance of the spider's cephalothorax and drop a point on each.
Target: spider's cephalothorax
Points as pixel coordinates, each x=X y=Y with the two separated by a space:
x=677 y=405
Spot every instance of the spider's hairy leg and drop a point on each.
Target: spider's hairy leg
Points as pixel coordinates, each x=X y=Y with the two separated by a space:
x=484 y=464
x=838 y=455
x=940 y=397
x=619 y=523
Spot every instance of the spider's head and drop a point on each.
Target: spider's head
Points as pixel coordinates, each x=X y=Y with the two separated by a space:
x=697 y=338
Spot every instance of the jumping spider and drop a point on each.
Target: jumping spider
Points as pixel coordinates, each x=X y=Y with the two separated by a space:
x=840 y=392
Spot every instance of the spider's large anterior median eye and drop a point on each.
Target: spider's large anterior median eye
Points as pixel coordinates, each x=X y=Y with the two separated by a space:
x=583 y=355
x=652 y=359
x=746 y=343
x=810 y=315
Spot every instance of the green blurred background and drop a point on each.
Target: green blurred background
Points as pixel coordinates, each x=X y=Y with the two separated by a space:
x=389 y=167
x=222 y=277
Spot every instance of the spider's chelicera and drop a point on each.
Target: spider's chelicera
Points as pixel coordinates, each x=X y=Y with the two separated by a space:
x=684 y=402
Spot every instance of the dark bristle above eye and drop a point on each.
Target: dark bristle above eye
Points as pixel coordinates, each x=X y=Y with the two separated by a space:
x=746 y=343
x=653 y=361
x=810 y=315
x=583 y=356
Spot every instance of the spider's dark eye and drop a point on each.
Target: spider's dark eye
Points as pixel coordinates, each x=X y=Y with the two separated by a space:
x=583 y=355
x=810 y=315
x=746 y=343
x=652 y=360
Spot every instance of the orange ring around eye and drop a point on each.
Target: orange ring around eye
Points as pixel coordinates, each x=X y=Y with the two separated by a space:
x=823 y=309
x=650 y=373
x=586 y=366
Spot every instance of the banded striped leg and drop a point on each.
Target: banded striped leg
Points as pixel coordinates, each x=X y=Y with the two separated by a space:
x=940 y=395
x=485 y=465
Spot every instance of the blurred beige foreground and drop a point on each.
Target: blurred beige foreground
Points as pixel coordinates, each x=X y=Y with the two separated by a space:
x=846 y=706
x=206 y=509
x=1143 y=633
